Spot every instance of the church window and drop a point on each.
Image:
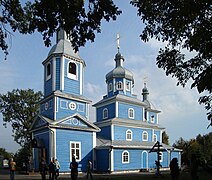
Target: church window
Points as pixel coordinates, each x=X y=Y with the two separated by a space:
x=119 y=85
x=48 y=71
x=145 y=115
x=154 y=138
x=75 y=150
x=105 y=113
x=110 y=87
x=128 y=86
x=152 y=119
x=72 y=70
x=125 y=157
x=160 y=156
x=131 y=113
x=72 y=105
x=145 y=136
x=129 y=135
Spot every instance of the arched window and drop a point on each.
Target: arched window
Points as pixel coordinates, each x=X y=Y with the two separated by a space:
x=48 y=71
x=125 y=157
x=161 y=157
x=145 y=136
x=72 y=70
x=110 y=87
x=129 y=135
x=128 y=86
x=119 y=85
x=155 y=138
x=152 y=119
x=105 y=113
x=131 y=113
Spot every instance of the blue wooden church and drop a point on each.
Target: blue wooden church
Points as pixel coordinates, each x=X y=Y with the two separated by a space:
x=126 y=127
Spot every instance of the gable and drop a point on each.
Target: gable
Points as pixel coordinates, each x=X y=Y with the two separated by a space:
x=76 y=121
x=73 y=121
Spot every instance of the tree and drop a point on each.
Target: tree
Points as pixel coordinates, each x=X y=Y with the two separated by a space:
x=165 y=138
x=183 y=25
x=80 y=17
x=201 y=147
x=5 y=154
x=18 y=108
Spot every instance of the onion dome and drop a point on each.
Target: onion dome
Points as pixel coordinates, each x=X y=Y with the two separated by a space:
x=145 y=94
x=119 y=71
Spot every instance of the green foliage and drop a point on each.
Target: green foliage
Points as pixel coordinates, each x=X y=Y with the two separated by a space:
x=82 y=18
x=5 y=154
x=23 y=155
x=165 y=138
x=182 y=25
x=18 y=108
x=201 y=147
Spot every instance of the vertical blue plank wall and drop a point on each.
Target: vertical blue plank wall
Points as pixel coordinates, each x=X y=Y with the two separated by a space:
x=58 y=74
x=123 y=111
x=63 y=138
x=102 y=158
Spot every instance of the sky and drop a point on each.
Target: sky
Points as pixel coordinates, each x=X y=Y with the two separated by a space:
x=181 y=114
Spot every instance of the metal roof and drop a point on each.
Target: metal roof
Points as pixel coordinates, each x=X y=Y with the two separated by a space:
x=105 y=143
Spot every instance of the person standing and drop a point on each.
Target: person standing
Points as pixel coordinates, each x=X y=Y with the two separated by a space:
x=12 y=169
x=89 y=169
x=43 y=168
x=74 y=169
x=57 y=168
x=174 y=169
x=51 y=169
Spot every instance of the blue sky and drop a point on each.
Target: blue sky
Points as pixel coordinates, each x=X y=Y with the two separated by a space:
x=181 y=114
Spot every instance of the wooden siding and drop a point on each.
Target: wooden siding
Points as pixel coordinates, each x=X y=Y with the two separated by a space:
x=47 y=109
x=47 y=87
x=111 y=112
x=120 y=133
x=72 y=86
x=63 y=138
x=123 y=111
x=65 y=111
x=58 y=73
x=158 y=133
x=105 y=132
x=102 y=160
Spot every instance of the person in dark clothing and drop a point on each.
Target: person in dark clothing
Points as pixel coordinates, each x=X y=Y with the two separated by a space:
x=174 y=169
x=43 y=168
x=52 y=169
x=89 y=169
x=74 y=169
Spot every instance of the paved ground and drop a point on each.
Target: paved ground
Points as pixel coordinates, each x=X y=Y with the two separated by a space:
x=4 y=175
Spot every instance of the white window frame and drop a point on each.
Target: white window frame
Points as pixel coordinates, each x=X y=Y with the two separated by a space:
x=48 y=76
x=161 y=157
x=145 y=139
x=127 y=154
x=155 y=138
x=72 y=105
x=75 y=149
x=131 y=113
x=129 y=135
x=70 y=75
x=110 y=87
x=152 y=119
x=119 y=85
x=105 y=113
x=128 y=86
